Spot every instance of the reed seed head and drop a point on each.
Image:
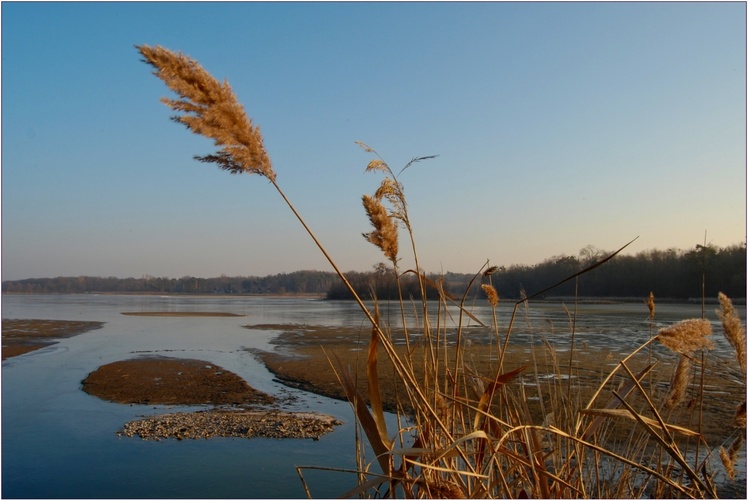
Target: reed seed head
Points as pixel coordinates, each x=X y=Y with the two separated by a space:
x=730 y=457
x=377 y=165
x=392 y=191
x=651 y=305
x=365 y=147
x=491 y=295
x=728 y=464
x=210 y=108
x=490 y=271
x=387 y=189
x=679 y=384
x=687 y=336
x=733 y=329
x=738 y=420
x=384 y=235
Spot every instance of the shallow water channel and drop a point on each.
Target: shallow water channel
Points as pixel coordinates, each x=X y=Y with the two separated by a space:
x=59 y=442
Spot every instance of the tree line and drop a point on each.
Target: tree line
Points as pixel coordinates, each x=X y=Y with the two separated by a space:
x=672 y=273
x=313 y=282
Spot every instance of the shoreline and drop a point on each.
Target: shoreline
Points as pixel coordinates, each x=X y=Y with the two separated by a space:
x=551 y=299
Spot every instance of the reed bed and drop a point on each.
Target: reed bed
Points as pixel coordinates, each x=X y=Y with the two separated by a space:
x=462 y=432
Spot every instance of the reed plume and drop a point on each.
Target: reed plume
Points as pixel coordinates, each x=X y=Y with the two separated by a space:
x=679 y=383
x=727 y=462
x=490 y=271
x=651 y=305
x=491 y=295
x=687 y=336
x=210 y=108
x=738 y=420
x=730 y=456
x=733 y=329
x=384 y=235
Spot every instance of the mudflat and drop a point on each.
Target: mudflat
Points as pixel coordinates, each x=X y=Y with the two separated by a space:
x=25 y=335
x=171 y=381
x=304 y=357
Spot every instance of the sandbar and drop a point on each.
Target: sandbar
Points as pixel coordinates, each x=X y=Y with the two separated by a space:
x=25 y=335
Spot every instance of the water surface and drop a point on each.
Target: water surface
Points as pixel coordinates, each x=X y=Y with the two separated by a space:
x=59 y=442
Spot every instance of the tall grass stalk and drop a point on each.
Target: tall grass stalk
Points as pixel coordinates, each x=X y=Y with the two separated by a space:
x=464 y=430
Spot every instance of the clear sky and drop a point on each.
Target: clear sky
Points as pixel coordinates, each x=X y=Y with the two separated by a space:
x=557 y=125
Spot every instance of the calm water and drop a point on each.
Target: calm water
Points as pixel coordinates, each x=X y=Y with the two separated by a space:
x=59 y=442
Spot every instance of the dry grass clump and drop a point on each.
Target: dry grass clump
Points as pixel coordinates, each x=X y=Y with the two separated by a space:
x=471 y=434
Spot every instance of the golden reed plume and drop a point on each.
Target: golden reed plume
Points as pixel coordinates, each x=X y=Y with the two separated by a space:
x=384 y=235
x=210 y=108
x=491 y=295
x=651 y=305
x=687 y=336
x=733 y=329
x=679 y=384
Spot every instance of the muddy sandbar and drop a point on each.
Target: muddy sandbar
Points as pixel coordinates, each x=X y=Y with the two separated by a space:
x=170 y=381
x=25 y=335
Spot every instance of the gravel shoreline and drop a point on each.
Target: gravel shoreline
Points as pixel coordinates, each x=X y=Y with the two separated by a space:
x=221 y=423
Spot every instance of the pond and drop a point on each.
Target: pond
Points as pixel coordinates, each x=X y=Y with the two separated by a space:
x=59 y=442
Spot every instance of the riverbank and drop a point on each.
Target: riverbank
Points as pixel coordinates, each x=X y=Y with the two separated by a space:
x=20 y=336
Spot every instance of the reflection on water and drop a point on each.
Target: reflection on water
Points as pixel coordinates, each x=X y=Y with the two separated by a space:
x=58 y=441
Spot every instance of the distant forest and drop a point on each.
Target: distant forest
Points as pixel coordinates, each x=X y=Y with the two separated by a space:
x=672 y=274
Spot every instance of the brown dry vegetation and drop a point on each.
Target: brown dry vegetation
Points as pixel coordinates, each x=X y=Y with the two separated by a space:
x=475 y=433
x=301 y=360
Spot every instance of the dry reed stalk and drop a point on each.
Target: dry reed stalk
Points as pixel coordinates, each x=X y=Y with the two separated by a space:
x=679 y=383
x=210 y=108
x=372 y=376
x=392 y=190
x=687 y=336
x=733 y=329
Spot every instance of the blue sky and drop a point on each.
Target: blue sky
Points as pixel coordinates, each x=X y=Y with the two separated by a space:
x=557 y=125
